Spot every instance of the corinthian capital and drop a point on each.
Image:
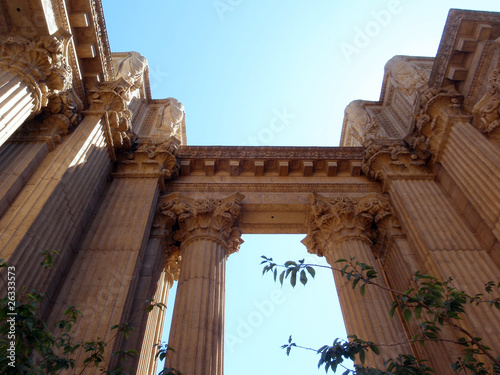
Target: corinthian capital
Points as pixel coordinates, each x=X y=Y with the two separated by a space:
x=339 y=218
x=438 y=111
x=151 y=158
x=112 y=98
x=209 y=217
x=41 y=63
x=385 y=160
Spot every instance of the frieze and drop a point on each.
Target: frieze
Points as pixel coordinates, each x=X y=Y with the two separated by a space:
x=365 y=187
x=241 y=152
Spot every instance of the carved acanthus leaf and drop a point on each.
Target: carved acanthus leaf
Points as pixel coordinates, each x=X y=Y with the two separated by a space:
x=42 y=63
x=336 y=219
x=385 y=159
x=156 y=157
x=210 y=217
x=112 y=97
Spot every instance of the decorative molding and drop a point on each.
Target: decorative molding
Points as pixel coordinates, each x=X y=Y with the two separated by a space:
x=337 y=219
x=292 y=187
x=41 y=63
x=210 y=217
x=262 y=152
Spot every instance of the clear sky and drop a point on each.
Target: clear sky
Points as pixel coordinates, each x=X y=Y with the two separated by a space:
x=237 y=65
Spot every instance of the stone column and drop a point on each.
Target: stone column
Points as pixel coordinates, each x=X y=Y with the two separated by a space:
x=160 y=268
x=207 y=235
x=30 y=72
x=444 y=244
x=341 y=227
x=470 y=159
x=103 y=280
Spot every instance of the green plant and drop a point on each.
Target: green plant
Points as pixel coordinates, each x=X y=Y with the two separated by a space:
x=29 y=346
x=431 y=303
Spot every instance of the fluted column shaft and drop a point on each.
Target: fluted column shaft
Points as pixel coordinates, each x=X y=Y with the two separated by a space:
x=17 y=103
x=197 y=333
x=340 y=228
x=473 y=162
x=447 y=247
x=207 y=235
x=54 y=206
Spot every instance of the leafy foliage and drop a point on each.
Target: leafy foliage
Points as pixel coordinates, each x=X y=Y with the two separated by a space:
x=37 y=349
x=432 y=304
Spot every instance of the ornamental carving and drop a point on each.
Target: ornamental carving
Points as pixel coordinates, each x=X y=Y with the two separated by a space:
x=60 y=115
x=361 y=124
x=389 y=159
x=172 y=119
x=487 y=111
x=408 y=77
x=112 y=98
x=42 y=63
x=130 y=67
x=438 y=111
x=151 y=157
x=209 y=217
x=336 y=219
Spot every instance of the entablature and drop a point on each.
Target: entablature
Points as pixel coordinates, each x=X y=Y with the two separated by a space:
x=276 y=181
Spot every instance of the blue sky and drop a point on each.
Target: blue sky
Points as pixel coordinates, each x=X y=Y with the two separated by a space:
x=277 y=73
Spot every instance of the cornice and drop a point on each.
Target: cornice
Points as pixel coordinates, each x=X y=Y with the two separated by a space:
x=270 y=152
x=463 y=30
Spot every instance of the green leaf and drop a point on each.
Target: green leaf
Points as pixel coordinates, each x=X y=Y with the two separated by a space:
x=282 y=276
x=417 y=311
x=275 y=274
x=340 y=260
x=293 y=278
x=290 y=263
x=362 y=356
x=311 y=271
x=362 y=290
x=407 y=315
x=303 y=277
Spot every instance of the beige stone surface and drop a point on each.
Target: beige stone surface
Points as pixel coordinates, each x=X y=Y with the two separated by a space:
x=92 y=166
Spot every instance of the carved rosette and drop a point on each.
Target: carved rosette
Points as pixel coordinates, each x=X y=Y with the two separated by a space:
x=487 y=111
x=41 y=63
x=385 y=160
x=340 y=218
x=201 y=218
